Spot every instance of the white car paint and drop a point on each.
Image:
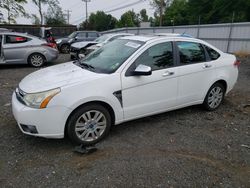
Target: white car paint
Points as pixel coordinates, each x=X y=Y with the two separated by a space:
x=141 y=95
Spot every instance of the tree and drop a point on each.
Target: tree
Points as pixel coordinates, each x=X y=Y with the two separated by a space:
x=129 y=19
x=143 y=15
x=177 y=13
x=159 y=6
x=14 y=8
x=51 y=3
x=100 y=21
x=55 y=16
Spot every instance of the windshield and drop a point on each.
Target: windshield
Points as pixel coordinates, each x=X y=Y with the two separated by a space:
x=103 y=38
x=111 y=56
x=72 y=35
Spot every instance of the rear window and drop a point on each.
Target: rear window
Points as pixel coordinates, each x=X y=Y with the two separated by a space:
x=13 y=39
x=212 y=53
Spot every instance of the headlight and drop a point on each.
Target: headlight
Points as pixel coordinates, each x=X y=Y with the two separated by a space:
x=40 y=100
x=58 y=41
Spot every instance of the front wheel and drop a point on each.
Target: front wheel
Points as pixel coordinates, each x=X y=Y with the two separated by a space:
x=214 y=97
x=65 y=49
x=89 y=124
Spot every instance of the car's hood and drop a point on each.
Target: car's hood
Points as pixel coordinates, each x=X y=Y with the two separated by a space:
x=56 y=76
x=83 y=44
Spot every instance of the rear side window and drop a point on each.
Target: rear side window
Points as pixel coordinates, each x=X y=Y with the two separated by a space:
x=191 y=52
x=14 y=39
x=212 y=53
x=157 y=57
x=92 y=35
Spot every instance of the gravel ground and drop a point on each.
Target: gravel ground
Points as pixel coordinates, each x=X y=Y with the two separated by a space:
x=184 y=148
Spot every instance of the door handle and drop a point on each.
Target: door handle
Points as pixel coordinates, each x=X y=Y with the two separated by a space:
x=206 y=66
x=168 y=73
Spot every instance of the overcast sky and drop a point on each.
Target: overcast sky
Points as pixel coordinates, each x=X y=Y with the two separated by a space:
x=78 y=8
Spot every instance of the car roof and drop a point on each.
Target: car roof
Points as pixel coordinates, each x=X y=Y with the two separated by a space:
x=86 y=31
x=117 y=34
x=146 y=38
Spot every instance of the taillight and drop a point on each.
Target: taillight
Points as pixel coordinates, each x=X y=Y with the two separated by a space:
x=52 y=45
x=237 y=63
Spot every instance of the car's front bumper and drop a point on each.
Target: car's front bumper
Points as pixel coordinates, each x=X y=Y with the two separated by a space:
x=74 y=52
x=49 y=122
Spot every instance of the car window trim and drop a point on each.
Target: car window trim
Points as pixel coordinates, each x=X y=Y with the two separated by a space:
x=209 y=58
x=5 y=39
x=128 y=72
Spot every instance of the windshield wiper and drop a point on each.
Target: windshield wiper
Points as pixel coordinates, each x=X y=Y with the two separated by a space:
x=85 y=65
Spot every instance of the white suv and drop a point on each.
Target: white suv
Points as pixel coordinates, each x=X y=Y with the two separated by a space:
x=126 y=79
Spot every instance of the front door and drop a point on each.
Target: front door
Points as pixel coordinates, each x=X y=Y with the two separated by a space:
x=146 y=95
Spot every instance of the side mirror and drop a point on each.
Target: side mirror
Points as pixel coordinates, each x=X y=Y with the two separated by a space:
x=142 y=70
x=76 y=38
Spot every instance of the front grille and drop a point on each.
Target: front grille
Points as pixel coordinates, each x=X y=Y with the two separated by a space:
x=20 y=95
x=88 y=51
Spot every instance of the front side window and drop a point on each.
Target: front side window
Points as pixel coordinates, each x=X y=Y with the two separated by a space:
x=157 y=57
x=111 y=56
x=13 y=39
x=212 y=53
x=191 y=52
x=92 y=35
x=81 y=35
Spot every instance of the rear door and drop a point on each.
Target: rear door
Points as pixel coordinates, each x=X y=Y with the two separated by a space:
x=15 y=48
x=196 y=72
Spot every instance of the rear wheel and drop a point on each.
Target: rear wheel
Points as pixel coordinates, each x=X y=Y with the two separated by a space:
x=214 y=97
x=89 y=124
x=36 y=60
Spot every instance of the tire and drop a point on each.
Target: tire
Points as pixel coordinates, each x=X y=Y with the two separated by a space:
x=85 y=130
x=65 y=48
x=36 y=60
x=214 y=97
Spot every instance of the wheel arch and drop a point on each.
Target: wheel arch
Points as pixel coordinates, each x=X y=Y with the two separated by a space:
x=102 y=103
x=223 y=82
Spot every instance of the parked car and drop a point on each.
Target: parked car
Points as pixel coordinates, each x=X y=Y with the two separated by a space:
x=128 y=78
x=63 y=44
x=3 y=30
x=81 y=49
x=20 y=48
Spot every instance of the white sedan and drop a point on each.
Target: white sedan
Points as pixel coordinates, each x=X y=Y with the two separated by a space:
x=129 y=78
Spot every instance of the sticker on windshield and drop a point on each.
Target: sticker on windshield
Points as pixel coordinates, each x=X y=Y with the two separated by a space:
x=133 y=45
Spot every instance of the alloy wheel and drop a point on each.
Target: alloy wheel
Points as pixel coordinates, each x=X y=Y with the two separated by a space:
x=215 y=97
x=90 y=126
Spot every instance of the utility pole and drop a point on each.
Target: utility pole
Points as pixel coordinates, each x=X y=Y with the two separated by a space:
x=68 y=14
x=86 y=3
